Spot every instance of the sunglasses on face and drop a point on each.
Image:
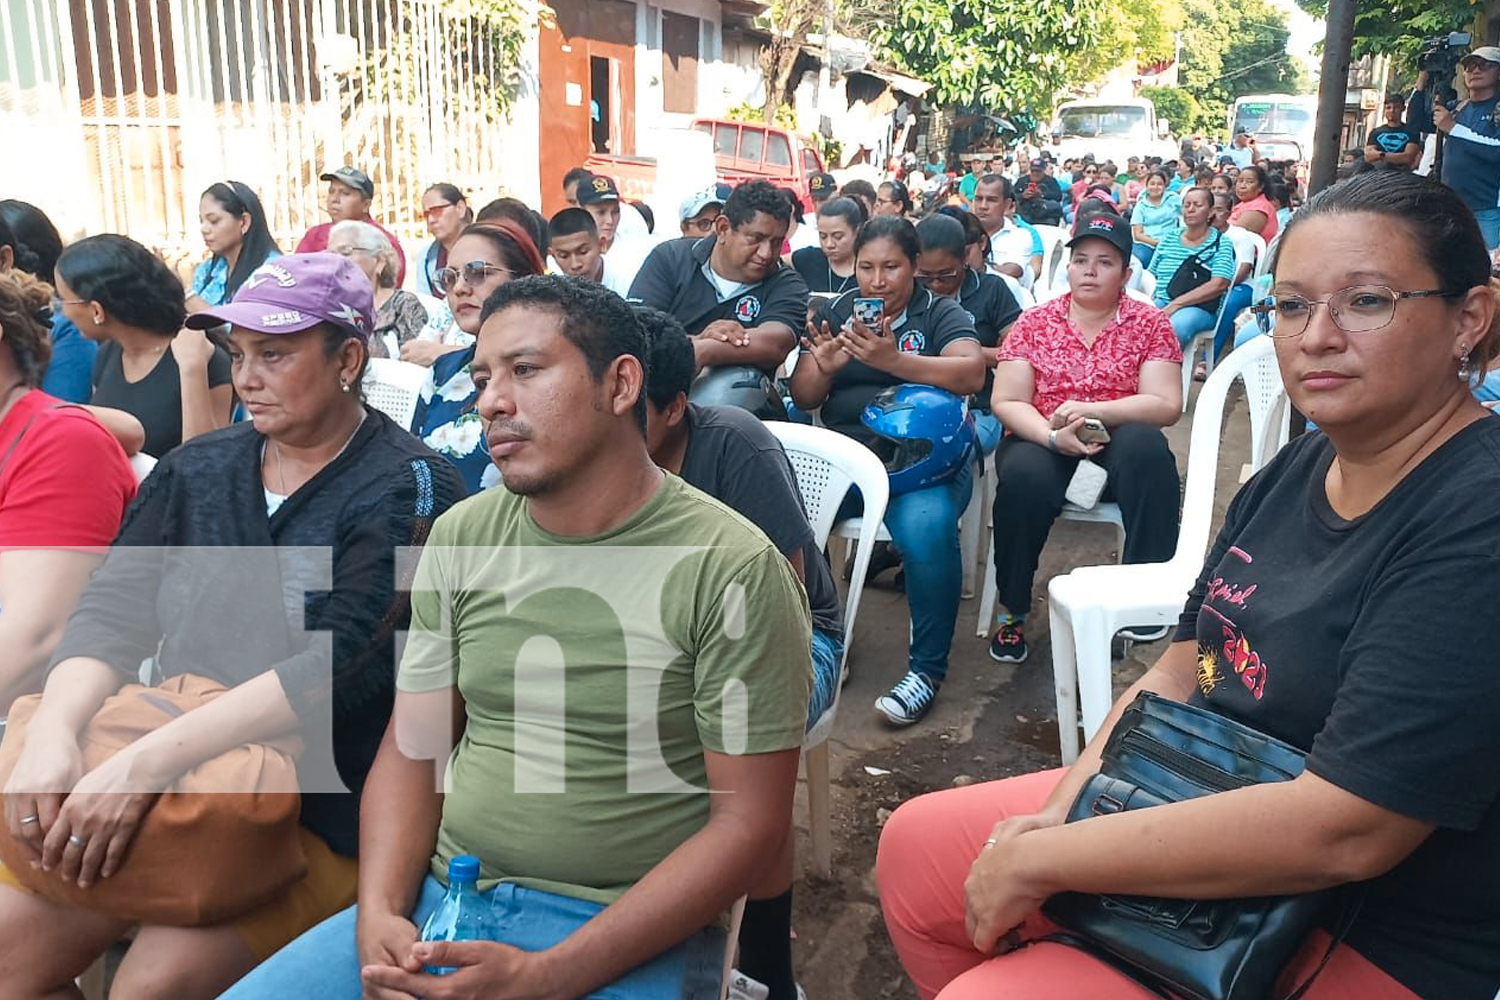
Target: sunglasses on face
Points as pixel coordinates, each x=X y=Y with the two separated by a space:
x=436 y=210
x=473 y=273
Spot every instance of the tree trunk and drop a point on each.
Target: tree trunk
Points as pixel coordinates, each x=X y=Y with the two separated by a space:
x=791 y=20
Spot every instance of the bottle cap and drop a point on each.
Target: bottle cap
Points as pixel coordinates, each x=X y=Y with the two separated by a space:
x=463 y=868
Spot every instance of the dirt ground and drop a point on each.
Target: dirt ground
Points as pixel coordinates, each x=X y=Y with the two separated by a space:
x=990 y=721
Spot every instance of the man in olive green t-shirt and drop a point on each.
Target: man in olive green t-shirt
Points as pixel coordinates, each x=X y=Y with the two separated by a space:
x=609 y=672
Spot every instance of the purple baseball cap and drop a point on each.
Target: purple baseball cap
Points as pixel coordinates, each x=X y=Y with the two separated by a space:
x=297 y=292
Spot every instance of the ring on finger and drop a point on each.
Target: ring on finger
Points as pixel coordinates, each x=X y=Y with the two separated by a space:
x=28 y=820
x=77 y=841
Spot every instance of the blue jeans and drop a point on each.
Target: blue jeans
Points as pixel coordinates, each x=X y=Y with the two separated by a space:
x=1489 y=225
x=1239 y=298
x=987 y=431
x=1143 y=253
x=1249 y=333
x=924 y=526
x=324 y=962
x=1189 y=321
x=827 y=661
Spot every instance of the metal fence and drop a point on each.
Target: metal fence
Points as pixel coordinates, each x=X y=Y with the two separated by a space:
x=116 y=114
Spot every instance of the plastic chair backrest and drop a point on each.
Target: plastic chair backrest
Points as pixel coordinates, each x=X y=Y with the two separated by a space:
x=141 y=464
x=1203 y=451
x=393 y=387
x=1267 y=251
x=1270 y=408
x=827 y=464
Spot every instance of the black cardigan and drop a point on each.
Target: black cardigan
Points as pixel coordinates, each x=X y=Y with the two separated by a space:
x=200 y=570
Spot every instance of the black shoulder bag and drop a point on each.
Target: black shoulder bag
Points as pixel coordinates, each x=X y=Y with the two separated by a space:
x=1227 y=949
x=1194 y=272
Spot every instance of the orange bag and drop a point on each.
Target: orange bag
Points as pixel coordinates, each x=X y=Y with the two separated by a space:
x=201 y=856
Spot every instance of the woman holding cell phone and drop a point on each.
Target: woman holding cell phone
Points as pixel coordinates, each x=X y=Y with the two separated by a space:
x=1094 y=374
x=890 y=331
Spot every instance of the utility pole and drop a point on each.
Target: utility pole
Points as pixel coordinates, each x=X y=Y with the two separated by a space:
x=1332 y=89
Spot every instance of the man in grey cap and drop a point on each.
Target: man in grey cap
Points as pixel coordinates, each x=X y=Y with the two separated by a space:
x=699 y=210
x=350 y=192
x=1471 y=143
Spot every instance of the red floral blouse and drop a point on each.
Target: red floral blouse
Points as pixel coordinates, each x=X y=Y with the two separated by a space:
x=1066 y=368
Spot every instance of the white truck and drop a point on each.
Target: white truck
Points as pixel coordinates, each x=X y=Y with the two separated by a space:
x=1281 y=124
x=1111 y=130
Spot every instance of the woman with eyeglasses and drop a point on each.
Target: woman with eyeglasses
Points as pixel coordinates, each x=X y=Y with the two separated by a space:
x=234 y=229
x=176 y=382
x=893 y=198
x=400 y=317
x=484 y=257
x=446 y=212
x=1335 y=611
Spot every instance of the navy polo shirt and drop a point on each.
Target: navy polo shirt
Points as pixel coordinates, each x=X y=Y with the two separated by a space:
x=930 y=324
x=673 y=281
x=990 y=301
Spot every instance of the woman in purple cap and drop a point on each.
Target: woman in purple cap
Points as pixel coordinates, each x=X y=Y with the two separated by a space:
x=222 y=569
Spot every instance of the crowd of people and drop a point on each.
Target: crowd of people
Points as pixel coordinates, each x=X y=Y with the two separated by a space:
x=618 y=598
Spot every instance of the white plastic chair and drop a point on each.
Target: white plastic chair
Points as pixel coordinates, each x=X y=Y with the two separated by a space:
x=1089 y=605
x=827 y=464
x=1100 y=513
x=393 y=387
x=731 y=945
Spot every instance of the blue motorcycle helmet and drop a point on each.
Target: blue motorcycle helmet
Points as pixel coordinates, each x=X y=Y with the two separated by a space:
x=922 y=434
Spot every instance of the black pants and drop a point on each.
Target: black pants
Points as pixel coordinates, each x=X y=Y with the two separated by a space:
x=1029 y=495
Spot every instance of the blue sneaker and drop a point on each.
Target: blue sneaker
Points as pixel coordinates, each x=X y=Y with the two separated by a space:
x=908 y=701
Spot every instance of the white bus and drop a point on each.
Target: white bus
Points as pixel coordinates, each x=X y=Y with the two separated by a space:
x=1282 y=124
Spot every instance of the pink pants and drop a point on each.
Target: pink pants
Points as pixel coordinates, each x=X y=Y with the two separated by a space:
x=925 y=853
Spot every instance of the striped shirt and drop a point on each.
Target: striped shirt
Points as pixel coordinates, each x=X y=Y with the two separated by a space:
x=1216 y=251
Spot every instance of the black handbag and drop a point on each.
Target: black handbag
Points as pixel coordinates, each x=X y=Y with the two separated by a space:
x=1227 y=949
x=1193 y=272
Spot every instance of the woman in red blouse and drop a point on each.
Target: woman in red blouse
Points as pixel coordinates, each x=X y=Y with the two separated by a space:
x=1094 y=353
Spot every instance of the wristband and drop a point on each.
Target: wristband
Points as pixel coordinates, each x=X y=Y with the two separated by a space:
x=1052 y=440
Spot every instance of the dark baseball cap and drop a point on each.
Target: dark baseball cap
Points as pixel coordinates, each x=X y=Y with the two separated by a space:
x=1038 y=164
x=1106 y=226
x=821 y=186
x=596 y=189
x=355 y=178
x=297 y=292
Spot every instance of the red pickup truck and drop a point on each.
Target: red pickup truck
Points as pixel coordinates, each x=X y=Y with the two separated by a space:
x=747 y=152
x=742 y=152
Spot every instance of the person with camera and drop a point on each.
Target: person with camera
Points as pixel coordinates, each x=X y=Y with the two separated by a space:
x=1469 y=134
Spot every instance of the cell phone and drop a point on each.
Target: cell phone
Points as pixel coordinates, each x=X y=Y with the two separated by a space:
x=871 y=312
x=1093 y=431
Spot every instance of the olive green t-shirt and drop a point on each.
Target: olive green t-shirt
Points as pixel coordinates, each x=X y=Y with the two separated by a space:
x=594 y=673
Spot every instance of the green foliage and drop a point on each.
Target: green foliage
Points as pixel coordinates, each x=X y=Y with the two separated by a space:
x=1397 y=27
x=1229 y=50
x=1142 y=27
x=1005 y=55
x=1176 y=105
x=786 y=115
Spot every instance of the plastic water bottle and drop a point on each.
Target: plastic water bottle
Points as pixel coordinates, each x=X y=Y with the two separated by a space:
x=463 y=915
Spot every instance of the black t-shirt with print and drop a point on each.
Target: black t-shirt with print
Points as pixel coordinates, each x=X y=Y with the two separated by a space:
x=734 y=459
x=1394 y=138
x=931 y=324
x=812 y=264
x=1370 y=644
x=673 y=281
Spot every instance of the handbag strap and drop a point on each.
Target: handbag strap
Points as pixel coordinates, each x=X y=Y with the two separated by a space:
x=1353 y=901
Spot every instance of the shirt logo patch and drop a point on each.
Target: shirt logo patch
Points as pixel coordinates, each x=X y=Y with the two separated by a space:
x=911 y=342
x=746 y=309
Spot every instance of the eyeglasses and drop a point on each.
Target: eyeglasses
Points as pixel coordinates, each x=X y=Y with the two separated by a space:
x=702 y=225
x=437 y=210
x=351 y=250
x=473 y=273
x=1356 y=309
x=938 y=275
